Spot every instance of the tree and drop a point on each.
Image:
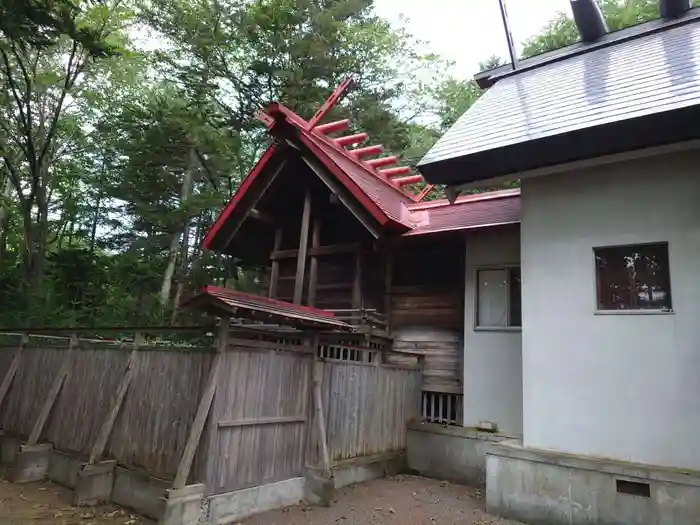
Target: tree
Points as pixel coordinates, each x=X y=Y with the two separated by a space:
x=47 y=49
x=561 y=30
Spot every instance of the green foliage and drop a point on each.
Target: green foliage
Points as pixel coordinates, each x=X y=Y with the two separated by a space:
x=561 y=30
x=115 y=160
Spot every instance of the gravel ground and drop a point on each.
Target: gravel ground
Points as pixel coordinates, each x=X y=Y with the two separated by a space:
x=400 y=500
x=43 y=503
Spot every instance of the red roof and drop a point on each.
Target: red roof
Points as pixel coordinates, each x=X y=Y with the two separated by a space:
x=384 y=198
x=481 y=210
x=245 y=305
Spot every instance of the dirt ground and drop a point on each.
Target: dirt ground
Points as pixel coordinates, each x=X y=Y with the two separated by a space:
x=400 y=500
x=45 y=502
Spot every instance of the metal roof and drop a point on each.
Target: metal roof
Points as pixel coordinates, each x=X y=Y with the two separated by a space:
x=651 y=74
x=224 y=301
x=481 y=210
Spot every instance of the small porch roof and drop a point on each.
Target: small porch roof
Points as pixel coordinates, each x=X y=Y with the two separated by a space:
x=226 y=302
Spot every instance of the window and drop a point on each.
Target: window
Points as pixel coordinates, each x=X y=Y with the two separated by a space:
x=498 y=301
x=634 y=277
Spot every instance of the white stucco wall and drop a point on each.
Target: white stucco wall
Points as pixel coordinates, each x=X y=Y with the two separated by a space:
x=492 y=358
x=618 y=386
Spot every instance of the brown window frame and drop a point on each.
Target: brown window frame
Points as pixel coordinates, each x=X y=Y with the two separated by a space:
x=632 y=302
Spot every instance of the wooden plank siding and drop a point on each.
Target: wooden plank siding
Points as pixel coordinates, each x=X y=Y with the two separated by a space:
x=367 y=408
x=261 y=426
x=427 y=310
x=247 y=447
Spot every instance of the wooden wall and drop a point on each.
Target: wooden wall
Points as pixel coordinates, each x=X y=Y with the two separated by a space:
x=427 y=308
x=258 y=426
x=154 y=419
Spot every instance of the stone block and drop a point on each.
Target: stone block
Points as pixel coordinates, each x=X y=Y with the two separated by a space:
x=139 y=492
x=32 y=463
x=64 y=468
x=319 y=489
x=183 y=506
x=94 y=483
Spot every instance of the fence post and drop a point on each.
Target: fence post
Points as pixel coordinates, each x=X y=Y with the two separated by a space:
x=14 y=366
x=320 y=417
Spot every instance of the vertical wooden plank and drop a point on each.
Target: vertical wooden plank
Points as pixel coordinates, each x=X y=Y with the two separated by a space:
x=183 y=469
x=53 y=394
x=107 y=426
x=313 y=269
x=303 y=248
x=10 y=375
x=275 y=272
x=357 y=282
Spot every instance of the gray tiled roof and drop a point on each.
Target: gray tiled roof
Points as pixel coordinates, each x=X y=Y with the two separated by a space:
x=650 y=74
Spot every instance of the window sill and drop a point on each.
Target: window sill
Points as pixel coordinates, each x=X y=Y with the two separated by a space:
x=634 y=312
x=498 y=329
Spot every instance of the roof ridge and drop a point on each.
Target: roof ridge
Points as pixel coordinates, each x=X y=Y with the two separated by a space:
x=320 y=131
x=464 y=199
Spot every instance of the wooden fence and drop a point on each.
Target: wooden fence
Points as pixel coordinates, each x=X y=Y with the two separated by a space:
x=238 y=413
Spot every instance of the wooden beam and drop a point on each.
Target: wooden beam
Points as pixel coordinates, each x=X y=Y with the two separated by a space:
x=256 y=198
x=261 y=216
x=200 y=419
x=360 y=214
x=331 y=249
x=357 y=283
x=117 y=402
x=303 y=249
x=275 y=272
x=313 y=270
x=14 y=366
x=53 y=393
x=262 y=421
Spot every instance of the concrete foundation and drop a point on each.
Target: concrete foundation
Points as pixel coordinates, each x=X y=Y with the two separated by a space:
x=455 y=454
x=141 y=493
x=234 y=506
x=183 y=506
x=64 y=468
x=543 y=487
x=32 y=463
x=94 y=483
x=358 y=470
x=320 y=488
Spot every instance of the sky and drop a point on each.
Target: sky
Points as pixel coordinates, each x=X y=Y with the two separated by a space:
x=469 y=31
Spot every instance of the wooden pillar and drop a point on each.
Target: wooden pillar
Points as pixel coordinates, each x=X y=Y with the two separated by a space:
x=200 y=419
x=357 y=282
x=313 y=269
x=275 y=273
x=12 y=371
x=303 y=249
x=117 y=402
x=388 y=283
x=53 y=393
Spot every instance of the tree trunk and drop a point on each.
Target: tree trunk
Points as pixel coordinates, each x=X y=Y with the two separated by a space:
x=185 y=190
x=5 y=218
